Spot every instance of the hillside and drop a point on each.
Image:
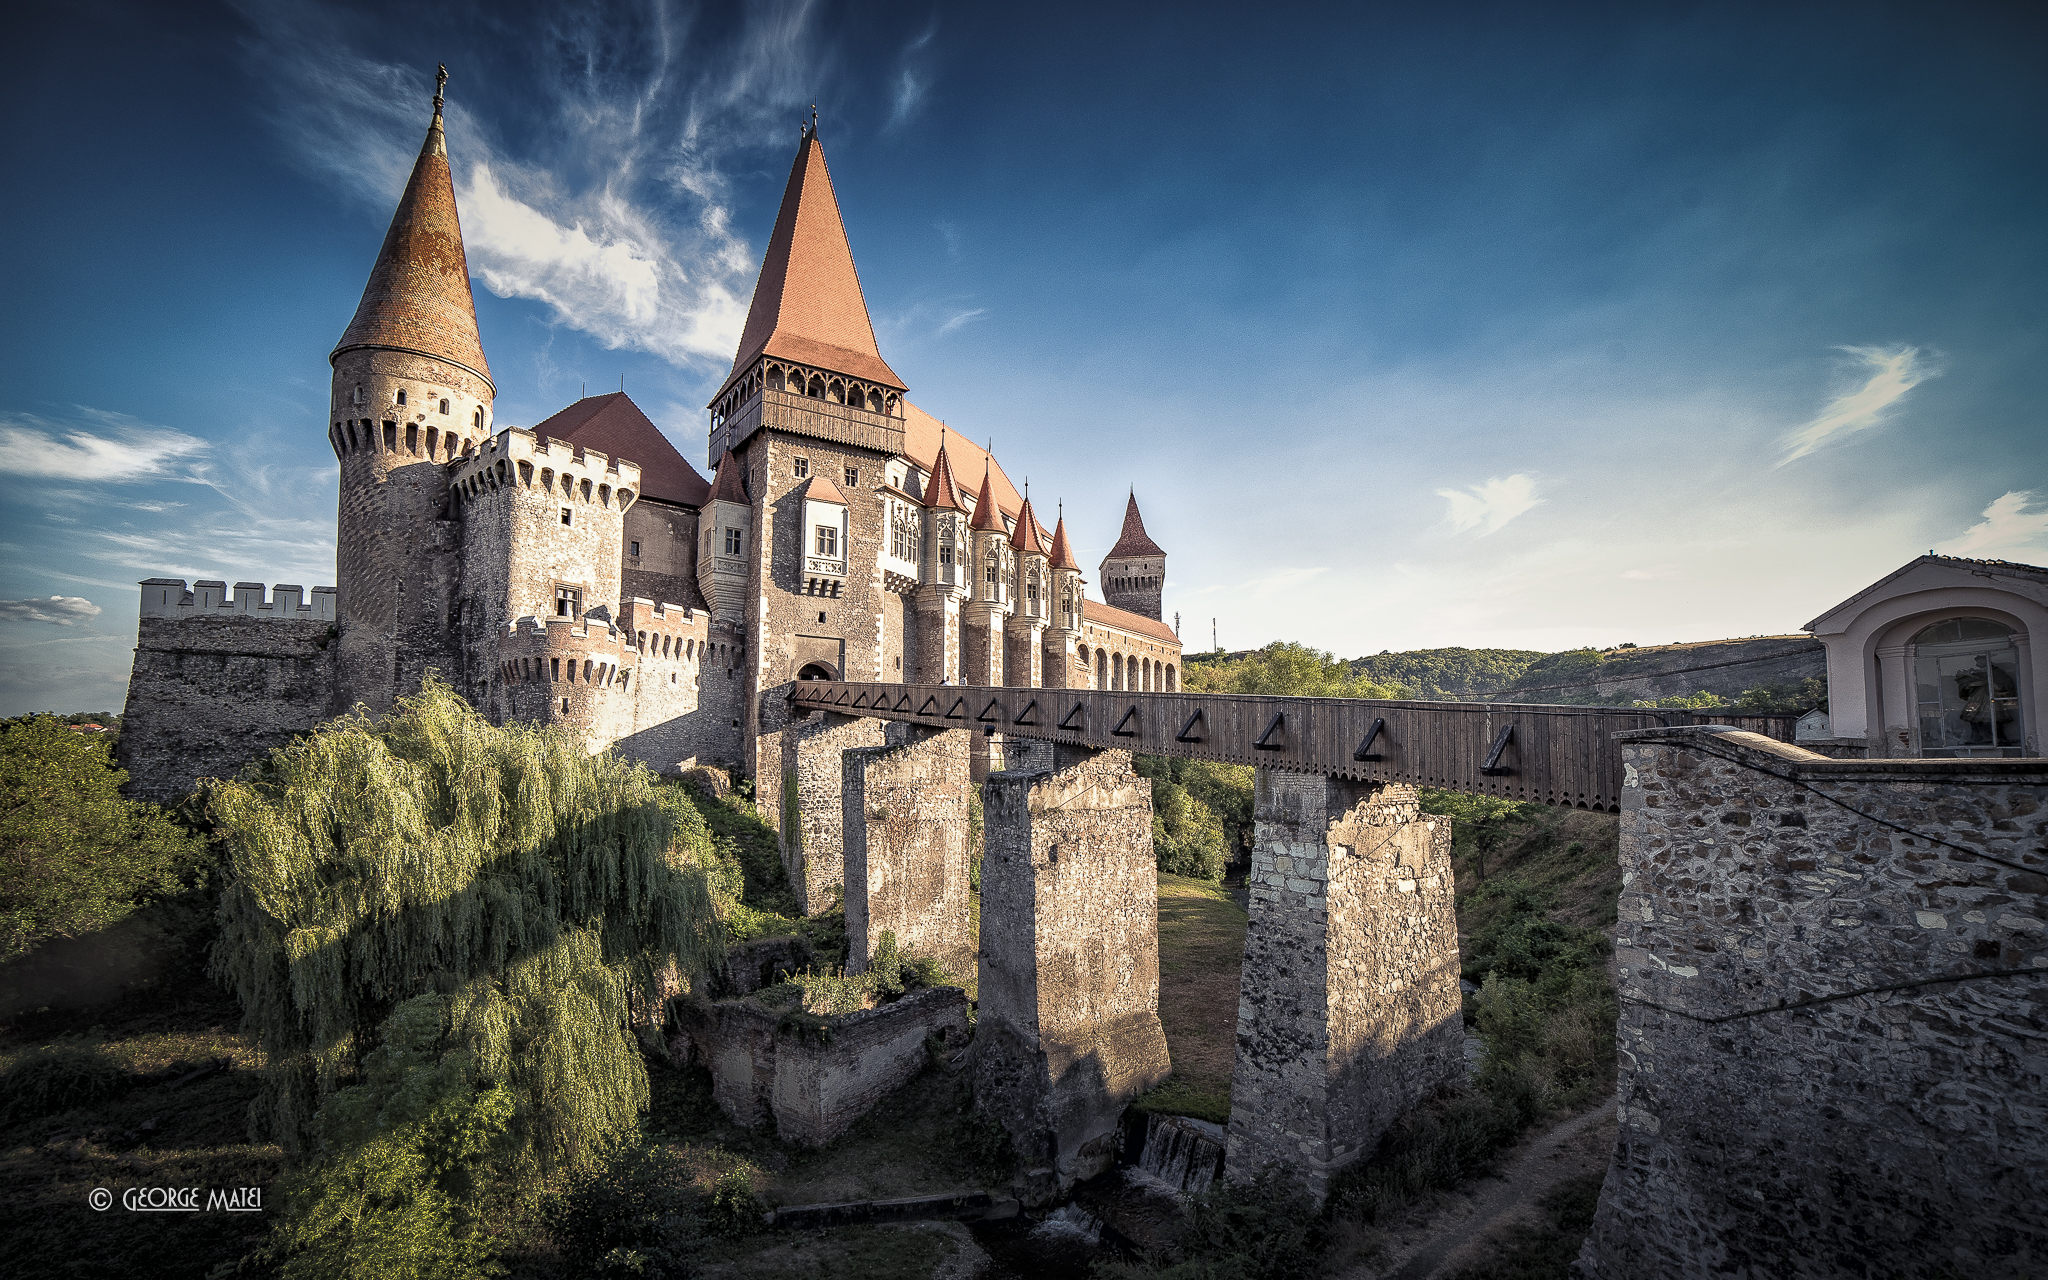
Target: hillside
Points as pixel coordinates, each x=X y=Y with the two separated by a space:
x=1446 y=675
x=1726 y=668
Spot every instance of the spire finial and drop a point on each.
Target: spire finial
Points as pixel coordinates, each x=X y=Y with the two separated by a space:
x=440 y=86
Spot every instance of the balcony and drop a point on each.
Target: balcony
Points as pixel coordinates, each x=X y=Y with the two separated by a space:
x=815 y=419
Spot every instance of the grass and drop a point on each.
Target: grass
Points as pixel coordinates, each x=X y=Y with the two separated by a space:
x=1201 y=949
x=909 y=1252
x=1543 y=1250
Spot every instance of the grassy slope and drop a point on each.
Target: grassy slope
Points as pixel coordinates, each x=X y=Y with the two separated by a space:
x=1201 y=947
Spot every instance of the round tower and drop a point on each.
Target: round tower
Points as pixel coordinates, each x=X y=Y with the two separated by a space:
x=1134 y=571
x=411 y=394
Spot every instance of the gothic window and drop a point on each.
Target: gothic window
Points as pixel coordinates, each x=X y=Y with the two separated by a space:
x=853 y=477
x=801 y=467
x=477 y=420
x=828 y=540
x=899 y=536
x=732 y=542
x=1031 y=591
x=946 y=554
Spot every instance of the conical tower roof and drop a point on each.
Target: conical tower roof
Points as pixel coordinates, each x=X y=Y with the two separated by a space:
x=808 y=305
x=987 y=515
x=418 y=297
x=1025 y=536
x=941 y=494
x=726 y=488
x=1062 y=553
x=1134 y=541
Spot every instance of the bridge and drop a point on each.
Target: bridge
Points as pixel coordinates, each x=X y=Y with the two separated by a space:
x=1555 y=755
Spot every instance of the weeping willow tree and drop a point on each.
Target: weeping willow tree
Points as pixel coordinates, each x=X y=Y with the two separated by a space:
x=539 y=889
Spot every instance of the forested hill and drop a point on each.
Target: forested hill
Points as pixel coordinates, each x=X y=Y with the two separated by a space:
x=1446 y=675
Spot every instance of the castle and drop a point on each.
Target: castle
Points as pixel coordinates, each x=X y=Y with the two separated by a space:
x=583 y=573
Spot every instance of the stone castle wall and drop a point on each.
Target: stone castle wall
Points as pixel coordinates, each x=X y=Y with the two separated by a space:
x=907 y=861
x=209 y=694
x=1898 y=1131
x=813 y=818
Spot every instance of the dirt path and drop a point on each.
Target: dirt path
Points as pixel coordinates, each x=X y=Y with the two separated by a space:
x=1450 y=1237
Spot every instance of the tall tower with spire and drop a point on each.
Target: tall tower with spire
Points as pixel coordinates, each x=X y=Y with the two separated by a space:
x=411 y=393
x=1134 y=571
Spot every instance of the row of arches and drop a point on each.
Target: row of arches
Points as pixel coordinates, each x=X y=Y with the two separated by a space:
x=570 y=486
x=551 y=670
x=1132 y=673
x=363 y=436
x=817 y=385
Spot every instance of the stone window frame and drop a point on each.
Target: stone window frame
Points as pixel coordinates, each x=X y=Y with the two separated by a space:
x=800 y=468
x=573 y=595
x=733 y=543
x=827 y=541
x=853 y=477
x=568 y=517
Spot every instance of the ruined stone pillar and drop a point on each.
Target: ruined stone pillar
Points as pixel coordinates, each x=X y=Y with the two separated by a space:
x=813 y=816
x=907 y=855
x=1348 y=1006
x=1069 y=1030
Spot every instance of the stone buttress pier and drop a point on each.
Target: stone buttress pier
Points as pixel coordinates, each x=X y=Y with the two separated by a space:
x=812 y=818
x=907 y=855
x=1348 y=1009
x=1068 y=1031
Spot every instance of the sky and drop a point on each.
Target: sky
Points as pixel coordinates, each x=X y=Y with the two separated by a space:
x=1518 y=326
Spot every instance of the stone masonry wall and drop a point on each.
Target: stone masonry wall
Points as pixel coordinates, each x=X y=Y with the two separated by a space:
x=1896 y=1132
x=208 y=695
x=814 y=843
x=1348 y=1008
x=907 y=859
x=1068 y=1031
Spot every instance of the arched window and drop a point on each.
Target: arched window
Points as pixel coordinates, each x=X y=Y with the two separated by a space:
x=1172 y=679
x=1101 y=669
x=401 y=397
x=444 y=406
x=1967 y=674
x=1116 y=671
x=477 y=419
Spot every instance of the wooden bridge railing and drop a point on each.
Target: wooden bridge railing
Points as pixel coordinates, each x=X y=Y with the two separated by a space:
x=1548 y=754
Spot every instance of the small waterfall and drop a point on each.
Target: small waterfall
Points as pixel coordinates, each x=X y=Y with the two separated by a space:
x=1070 y=1223
x=1183 y=1153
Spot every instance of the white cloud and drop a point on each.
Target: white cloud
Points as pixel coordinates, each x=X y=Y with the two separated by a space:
x=909 y=92
x=1894 y=372
x=1486 y=507
x=65 y=611
x=1654 y=573
x=2008 y=527
x=961 y=318
x=98 y=445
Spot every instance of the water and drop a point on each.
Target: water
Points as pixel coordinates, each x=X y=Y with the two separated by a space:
x=1182 y=1152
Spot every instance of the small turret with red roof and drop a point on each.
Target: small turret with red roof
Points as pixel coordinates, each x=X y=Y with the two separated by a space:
x=1134 y=571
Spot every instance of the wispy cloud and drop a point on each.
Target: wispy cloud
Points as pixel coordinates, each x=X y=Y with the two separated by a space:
x=64 y=611
x=910 y=85
x=1487 y=507
x=94 y=445
x=1893 y=371
x=2007 y=527
x=963 y=317
x=615 y=213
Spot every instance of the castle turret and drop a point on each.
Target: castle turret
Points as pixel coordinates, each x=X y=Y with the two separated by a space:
x=1134 y=571
x=1024 y=663
x=728 y=529
x=991 y=578
x=947 y=557
x=411 y=393
x=1061 y=668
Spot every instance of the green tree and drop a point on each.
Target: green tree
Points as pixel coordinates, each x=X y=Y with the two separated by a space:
x=74 y=856
x=539 y=888
x=1285 y=668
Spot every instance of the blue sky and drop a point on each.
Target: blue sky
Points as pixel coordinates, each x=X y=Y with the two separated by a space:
x=1413 y=325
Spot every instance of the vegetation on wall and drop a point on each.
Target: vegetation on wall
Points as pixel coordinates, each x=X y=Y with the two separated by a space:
x=534 y=887
x=74 y=855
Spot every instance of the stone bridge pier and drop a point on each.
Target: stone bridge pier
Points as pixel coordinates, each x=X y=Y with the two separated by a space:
x=1348 y=1008
x=908 y=863
x=1068 y=1032
x=812 y=824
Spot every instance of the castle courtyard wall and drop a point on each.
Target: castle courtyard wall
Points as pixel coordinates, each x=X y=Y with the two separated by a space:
x=1834 y=995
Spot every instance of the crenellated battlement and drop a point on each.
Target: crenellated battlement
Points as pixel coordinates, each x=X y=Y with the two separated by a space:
x=210 y=598
x=516 y=459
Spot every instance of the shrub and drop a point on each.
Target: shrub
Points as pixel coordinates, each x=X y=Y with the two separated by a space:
x=1266 y=1228
x=56 y=1078
x=736 y=1209
x=630 y=1214
x=74 y=856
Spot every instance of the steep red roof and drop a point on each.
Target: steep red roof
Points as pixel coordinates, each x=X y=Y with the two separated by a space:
x=1124 y=620
x=727 y=486
x=808 y=305
x=1062 y=552
x=418 y=296
x=1134 y=541
x=1026 y=535
x=611 y=424
x=941 y=494
x=987 y=515
x=924 y=435
x=821 y=489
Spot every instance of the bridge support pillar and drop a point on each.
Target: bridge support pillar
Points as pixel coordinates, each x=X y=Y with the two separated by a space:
x=907 y=855
x=1348 y=1008
x=812 y=820
x=1068 y=1032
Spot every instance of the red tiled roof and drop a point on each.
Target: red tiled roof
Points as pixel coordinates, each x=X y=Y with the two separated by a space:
x=1026 y=536
x=987 y=515
x=1134 y=541
x=1104 y=615
x=808 y=304
x=1062 y=551
x=418 y=296
x=727 y=487
x=821 y=489
x=923 y=435
x=941 y=494
x=613 y=425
